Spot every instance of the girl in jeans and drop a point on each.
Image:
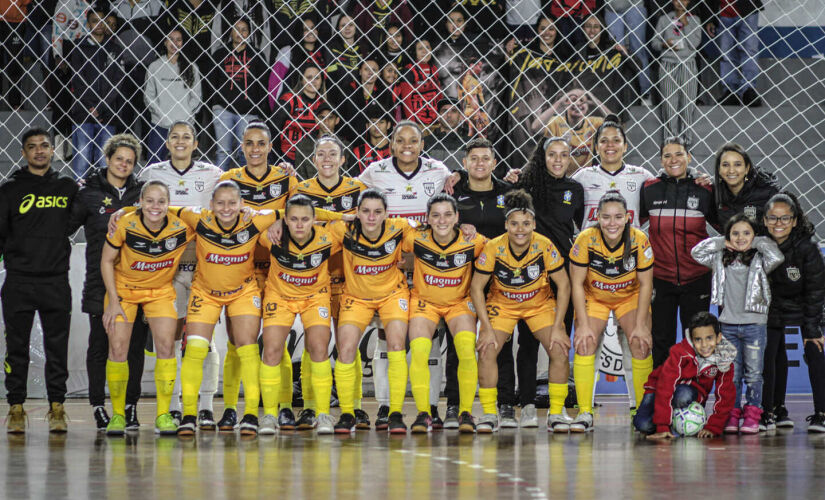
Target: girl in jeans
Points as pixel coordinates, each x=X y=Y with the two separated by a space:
x=741 y=262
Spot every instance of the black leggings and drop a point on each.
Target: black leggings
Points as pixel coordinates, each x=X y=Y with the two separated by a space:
x=775 y=371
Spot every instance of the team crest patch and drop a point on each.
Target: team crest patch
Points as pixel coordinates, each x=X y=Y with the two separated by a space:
x=389 y=247
x=316 y=259
x=459 y=259
x=750 y=212
x=429 y=188
x=692 y=202
x=794 y=274
x=275 y=190
x=631 y=185
x=256 y=301
x=200 y=186
x=346 y=202
x=533 y=271
x=568 y=196
x=575 y=250
x=500 y=201
x=482 y=259
x=323 y=312
x=243 y=236
x=171 y=243
x=630 y=264
x=402 y=303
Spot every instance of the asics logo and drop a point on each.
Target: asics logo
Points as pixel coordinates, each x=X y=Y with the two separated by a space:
x=42 y=202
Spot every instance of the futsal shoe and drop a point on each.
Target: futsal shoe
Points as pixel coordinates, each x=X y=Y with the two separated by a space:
x=396 y=423
x=326 y=424
x=816 y=423
x=306 y=420
x=487 y=424
x=16 y=421
x=582 y=423
x=466 y=424
x=508 y=416
x=732 y=427
x=528 y=417
x=286 y=420
x=558 y=423
x=101 y=418
x=187 y=426
x=750 y=424
x=57 y=418
x=423 y=423
x=768 y=422
x=362 y=420
x=382 y=420
x=268 y=425
x=451 y=418
x=176 y=415
x=228 y=421
x=345 y=424
x=166 y=425
x=206 y=420
x=437 y=424
x=249 y=425
x=116 y=426
x=783 y=421
x=132 y=423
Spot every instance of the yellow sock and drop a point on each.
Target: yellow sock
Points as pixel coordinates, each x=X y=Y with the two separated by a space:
x=641 y=371
x=397 y=375
x=270 y=380
x=165 y=373
x=359 y=375
x=420 y=372
x=488 y=396
x=285 y=394
x=306 y=381
x=191 y=373
x=558 y=393
x=584 y=377
x=322 y=382
x=117 y=376
x=465 y=348
x=231 y=377
x=250 y=360
x=345 y=381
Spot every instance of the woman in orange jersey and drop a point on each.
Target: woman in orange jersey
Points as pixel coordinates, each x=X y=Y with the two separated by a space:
x=373 y=283
x=610 y=270
x=137 y=265
x=298 y=284
x=441 y=286
x=224 y=279
x=521 y=263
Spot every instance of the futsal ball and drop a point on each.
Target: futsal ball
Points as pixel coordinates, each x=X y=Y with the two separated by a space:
x=689 y=421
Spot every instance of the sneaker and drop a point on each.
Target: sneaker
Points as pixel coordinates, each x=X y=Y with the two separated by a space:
x=188 y=426
x=101 y=418
x=767 y=422
x=508 y=417
x=437 y=424
x=362 y=420
x=382 y=420
x=132 y=423
x=326 y=424
x=249 y=425
x=488 y=423
x=116 y=425
x=306 y=420
x=228 y=421
x=345 y=424
x=423 y=423
x=286 y=420
x=732 y=426
x=782 y=419
x=451 y=418
x=816 y=422
x=396 y=423
x=558 y=423
x=750 y=424
x=166 y=425
x=176 y=415
x=206 y=420
x=16 y=421
x=528 y=417
x=582 y=423
x=466 y=424
x=57 y=418
x=267 y=425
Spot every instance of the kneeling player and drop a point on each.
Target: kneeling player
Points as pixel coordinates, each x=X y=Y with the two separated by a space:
x=147 y=246
x=520 y=262
x=441 y=285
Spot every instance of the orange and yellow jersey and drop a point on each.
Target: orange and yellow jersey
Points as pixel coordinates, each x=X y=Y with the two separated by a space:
x=148 y=259
x=442 y=274
x=608 y=278
x=302 y=270
x=225 y=255
x=520 y=280
x=370 y=266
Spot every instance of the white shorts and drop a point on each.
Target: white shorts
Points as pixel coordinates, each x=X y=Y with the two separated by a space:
x=183 y=284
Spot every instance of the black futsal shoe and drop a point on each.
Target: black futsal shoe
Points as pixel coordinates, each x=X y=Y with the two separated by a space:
x=132 y=423
x=306 y=420
x=101 y=418
x=382 y=420
x=206 y=420
x=187 y=426
x=423 y=424
x=396 y=423
x=438 y=424
x=466 y=424
x=286 y=420
x=249 y=425
x=362 y=420
x=345 y=424
x=228 y=421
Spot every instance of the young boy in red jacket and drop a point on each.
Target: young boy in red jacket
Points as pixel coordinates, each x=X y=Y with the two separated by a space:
x=702 y=359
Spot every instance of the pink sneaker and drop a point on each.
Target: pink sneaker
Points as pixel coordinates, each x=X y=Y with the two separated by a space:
x=751 y=423
x=732 y=427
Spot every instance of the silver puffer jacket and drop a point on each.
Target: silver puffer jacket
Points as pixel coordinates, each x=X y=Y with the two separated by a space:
x=758 y=297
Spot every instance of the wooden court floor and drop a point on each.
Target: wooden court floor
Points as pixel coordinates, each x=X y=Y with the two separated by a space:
x=611 y=463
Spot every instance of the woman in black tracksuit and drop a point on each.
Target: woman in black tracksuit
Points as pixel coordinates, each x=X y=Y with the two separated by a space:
x=797 y=298
x=739 y=186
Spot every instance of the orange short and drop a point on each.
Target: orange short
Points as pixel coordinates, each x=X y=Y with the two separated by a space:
x=601 y=310
x=434 y=312
x=504 y=318
x=205 y=307
x=359 y=312
x=156 y=302
x=281 y=311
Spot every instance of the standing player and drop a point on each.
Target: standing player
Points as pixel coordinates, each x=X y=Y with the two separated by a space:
x=190 y=183
x=408 y=181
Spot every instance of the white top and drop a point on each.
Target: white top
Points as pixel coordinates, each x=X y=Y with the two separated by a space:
x=191 y=188
x=407 y=194
x=596 y=181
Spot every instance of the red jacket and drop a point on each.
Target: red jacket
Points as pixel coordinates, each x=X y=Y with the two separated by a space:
x=683 y=366
x=420 y=91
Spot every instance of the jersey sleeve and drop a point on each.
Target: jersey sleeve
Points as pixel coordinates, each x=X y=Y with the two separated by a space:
x=366 y=177
x=293 y=185
x=408 y=243
x=337 y=229
x=263 y=239
x=486 y=261
x=263 y=219
x=553 y=260
x=480 y=242
x=578 y=253
x=116 y=240
x=189 y=216
x=645 y=252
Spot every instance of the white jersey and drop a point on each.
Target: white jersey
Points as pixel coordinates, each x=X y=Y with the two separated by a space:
x=191 y=188
x=407 y=194
x=596 y=181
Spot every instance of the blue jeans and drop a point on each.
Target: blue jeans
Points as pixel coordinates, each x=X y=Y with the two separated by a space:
x=628 y=28
x=229 y=129
x=683 y=396
x=750 y=341
x=88 y=140
x=739 y=45
x=156 y=144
